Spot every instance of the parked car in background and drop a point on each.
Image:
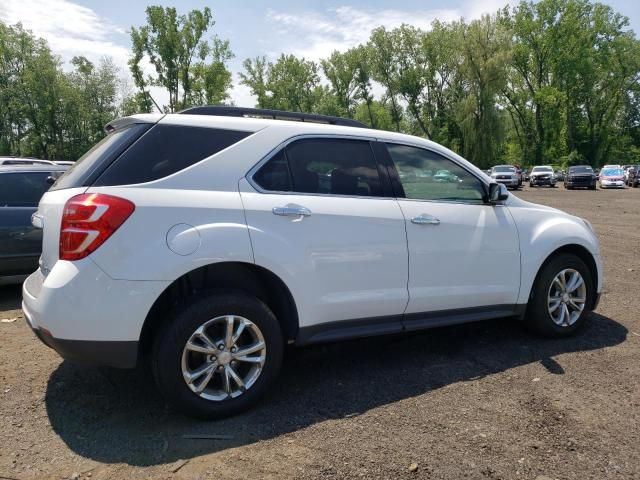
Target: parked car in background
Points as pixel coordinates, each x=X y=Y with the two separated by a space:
x=505 y=174
x=445 y=176
x=525 y=175
x=21 y=187
x=205 y=242
x=542 y=175
x=23 y=161
x=611 y=177
x=580 y=176
x=633 y=179
x=559 y=175
x=519 y=174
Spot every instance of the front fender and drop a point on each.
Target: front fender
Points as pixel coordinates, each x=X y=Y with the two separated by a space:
x=543 y=231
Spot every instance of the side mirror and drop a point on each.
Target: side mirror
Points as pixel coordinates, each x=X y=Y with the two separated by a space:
x=497 y=193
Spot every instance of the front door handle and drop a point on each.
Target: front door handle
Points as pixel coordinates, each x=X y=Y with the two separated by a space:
x=291 y=211
x=425 y=219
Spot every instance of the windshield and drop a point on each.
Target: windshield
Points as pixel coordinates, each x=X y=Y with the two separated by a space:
x=580 y=170
x=612 y=172
x=542 y=169
x=504 y=169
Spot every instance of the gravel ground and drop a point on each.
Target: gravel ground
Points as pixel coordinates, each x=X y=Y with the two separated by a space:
x=485 y=400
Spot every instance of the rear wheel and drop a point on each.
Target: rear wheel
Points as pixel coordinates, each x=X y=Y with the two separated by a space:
x=218 y=355
x=560 y=297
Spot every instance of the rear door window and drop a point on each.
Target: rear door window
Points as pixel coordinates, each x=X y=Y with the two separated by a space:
x=329 y=166
x=22 y=189
x=166 y=149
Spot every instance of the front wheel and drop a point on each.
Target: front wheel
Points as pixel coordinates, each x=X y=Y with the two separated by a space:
x=218 y=355
x=561 y=296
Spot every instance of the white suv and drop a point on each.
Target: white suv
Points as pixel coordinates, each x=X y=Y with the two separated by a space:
x=205 y=241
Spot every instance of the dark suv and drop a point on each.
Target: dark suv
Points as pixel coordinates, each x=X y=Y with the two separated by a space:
x=633 y=180
x=21 y=187
x=580 y=176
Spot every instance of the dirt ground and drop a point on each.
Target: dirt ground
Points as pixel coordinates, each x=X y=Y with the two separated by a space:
x=485 y=400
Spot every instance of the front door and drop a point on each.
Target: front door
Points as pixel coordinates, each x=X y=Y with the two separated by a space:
x=464 y=254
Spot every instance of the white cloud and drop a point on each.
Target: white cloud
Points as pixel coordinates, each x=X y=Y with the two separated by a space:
x=318 y=34
x=69 y=29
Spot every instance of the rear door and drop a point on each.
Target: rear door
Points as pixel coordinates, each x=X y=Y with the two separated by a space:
x=321 y=215
x=20 y=242
x=464 y=254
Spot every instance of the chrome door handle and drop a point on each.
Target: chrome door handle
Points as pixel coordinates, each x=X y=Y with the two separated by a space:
x=425 y=220
x=291 y=211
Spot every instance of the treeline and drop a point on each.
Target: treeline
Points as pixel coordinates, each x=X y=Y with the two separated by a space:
x=46 y=112
x=550 y=82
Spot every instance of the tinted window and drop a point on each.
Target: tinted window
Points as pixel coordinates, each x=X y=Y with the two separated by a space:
x=99 y=157
x=166 y=149
x=22 y=189
x=333 y=166
x=426 y=175
x=274 y=175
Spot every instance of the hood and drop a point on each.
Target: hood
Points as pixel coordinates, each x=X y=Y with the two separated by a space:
x=538 y=174
x=612 y=177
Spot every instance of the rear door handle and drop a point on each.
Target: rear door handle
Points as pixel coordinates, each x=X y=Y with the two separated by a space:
x=291 y=211
x=425 y=219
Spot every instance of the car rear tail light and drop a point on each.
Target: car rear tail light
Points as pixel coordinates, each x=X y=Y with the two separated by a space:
x=88 y=221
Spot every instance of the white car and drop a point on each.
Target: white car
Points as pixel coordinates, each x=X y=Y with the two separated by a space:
x=542 y=175
x=206 y=241
x=12 y=161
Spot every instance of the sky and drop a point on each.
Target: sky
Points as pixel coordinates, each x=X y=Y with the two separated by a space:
x=312 y=29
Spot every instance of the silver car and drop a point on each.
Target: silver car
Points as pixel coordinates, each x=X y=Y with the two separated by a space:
x=505 y=174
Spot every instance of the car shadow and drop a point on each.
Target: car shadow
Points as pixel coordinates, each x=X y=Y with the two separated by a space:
x=117 y=416
x=10 y=297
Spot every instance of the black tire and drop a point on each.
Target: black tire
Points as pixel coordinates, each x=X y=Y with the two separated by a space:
x=537 y=316
x=592 y=187
x=178 y=328
x=531 y=185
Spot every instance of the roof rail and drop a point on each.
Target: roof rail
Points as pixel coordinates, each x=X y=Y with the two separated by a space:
x=224 y=111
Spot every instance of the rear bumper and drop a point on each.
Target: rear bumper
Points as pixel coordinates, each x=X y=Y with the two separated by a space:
x=108 y=354
x=85 y=315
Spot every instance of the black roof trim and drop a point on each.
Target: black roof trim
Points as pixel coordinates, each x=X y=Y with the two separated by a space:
x=224 y=111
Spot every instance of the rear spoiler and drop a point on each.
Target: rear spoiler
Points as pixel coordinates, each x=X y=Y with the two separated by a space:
x=123 y=122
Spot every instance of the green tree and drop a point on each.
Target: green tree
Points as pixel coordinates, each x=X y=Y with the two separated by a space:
x=185 y=64
x=290 y=83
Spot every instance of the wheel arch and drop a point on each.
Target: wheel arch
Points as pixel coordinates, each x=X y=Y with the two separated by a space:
x=239 y=276
x=583 y=254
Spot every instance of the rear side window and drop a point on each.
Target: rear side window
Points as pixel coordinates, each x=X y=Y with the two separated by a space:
x=166 y=149
x=323 y=166
x=274 y=175
x=84 y=171
x=22 y=189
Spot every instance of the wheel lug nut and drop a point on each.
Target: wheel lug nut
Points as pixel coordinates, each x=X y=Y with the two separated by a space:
x=221 y=347
x=220 y=367
x=234 y=349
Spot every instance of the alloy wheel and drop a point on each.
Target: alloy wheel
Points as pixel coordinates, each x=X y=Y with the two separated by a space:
x=567 y=297
x=223 y=358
